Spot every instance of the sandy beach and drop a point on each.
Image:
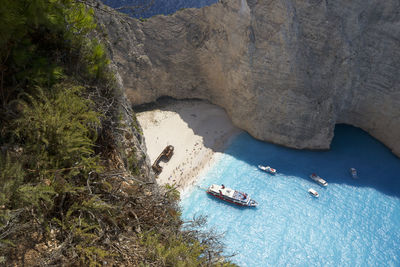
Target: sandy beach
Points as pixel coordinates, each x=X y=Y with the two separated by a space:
x=199 y=132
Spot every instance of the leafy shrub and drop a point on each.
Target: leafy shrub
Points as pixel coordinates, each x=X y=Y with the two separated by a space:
x=56 y=200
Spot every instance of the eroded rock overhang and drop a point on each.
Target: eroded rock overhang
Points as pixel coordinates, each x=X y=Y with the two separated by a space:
x=285 y=71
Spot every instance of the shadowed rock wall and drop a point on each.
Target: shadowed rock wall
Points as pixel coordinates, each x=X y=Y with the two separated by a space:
x=286 y=71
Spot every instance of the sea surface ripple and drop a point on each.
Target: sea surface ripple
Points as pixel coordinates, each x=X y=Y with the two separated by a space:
x=354 y=222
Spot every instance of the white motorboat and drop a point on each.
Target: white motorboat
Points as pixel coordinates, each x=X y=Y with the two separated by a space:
x=353 y=173
x=318 y=179
x=313 y=192
x=232 y=196
x=267 y=169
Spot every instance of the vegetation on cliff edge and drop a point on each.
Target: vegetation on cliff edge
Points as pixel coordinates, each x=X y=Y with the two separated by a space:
x=62 y=200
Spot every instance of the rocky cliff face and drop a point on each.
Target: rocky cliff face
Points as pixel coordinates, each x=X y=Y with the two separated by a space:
x=285 y=71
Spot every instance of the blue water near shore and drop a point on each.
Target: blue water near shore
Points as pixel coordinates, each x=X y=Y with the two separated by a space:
x=352 y=223
x=147 y=9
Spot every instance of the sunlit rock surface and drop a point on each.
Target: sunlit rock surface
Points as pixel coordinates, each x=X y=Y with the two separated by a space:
x=285 y=71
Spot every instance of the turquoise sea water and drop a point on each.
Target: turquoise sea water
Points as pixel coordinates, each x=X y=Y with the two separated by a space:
x=352 y=223
x=147 y=8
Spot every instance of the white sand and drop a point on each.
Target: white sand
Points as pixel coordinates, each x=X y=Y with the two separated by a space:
x=199 y=132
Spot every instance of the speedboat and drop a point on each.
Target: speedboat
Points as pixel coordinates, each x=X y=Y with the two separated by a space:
x=231 y=195
x=318 y=179
x=267 y=169
x=353 y=173
x=313 y=192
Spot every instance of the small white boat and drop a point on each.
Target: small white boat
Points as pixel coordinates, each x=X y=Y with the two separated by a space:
x=267 y=169
x=313 y=192
x=318 y=179
x=353 y=173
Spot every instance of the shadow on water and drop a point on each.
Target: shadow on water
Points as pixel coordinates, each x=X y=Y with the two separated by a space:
x=376 y=165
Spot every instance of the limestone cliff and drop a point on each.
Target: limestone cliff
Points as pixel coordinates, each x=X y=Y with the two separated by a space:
x=286 y=71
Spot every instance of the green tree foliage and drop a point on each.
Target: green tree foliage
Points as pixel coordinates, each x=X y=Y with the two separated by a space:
x=42 y=39
x=175 y=251
x=11 y=178
x=56 y=200
x=48 y=128
x=58 y=130
x=97 y=56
